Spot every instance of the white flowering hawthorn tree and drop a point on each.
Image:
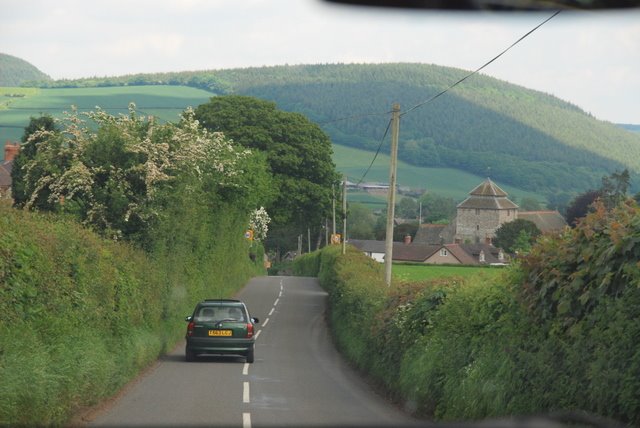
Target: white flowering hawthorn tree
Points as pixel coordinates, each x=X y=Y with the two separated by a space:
x=259 y=223
x=109 y=173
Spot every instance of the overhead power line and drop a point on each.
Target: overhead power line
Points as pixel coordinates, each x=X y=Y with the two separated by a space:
x=482 y=67
x=386 y=131
x=436 y=95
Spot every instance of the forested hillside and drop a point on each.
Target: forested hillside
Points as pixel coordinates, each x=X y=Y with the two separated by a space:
x=15 y=71
x=518 y=136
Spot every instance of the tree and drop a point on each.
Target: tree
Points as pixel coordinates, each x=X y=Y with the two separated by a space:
x=559 y=201
x=580 y=206
x=407 y=208
x=28 y=151
x=516 y=235
x=437 y=208
x=360 y=222
x=117 y=175
x=297 y=151
x=614 y=188
x=530 y=204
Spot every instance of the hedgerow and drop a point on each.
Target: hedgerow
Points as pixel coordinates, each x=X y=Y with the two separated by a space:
x=82 y=311
x=81 y=315
x=558 y=332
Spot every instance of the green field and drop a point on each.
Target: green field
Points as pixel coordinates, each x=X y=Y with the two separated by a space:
x=411 y=272
x=164 y=102
x=444 y=181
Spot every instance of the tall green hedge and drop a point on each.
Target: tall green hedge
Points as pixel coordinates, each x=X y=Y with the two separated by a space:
x=560 y=332
x=80 y=315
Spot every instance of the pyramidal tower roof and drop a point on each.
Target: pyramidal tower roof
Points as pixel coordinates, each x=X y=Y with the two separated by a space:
x=488 y=188
x=488 y=196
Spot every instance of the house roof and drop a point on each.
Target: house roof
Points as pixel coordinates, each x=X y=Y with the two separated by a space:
x=546 y=221
x=5 y=174
x=473 y=251
x=488 y=196
x=414 y=252
x=468 y=254
x=401 y=251
x=435 y=234
x=459 y=253
x=368 y=245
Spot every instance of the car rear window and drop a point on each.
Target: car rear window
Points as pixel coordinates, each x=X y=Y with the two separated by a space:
x=219 y=313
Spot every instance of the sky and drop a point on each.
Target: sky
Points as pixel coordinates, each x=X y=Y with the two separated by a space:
x=591 y=59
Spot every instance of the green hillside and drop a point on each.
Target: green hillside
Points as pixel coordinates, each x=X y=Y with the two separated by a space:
x=525 y=138
x=15 y=71
x=520 y=137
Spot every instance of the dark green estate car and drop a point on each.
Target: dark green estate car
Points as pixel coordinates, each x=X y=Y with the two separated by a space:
x=220 y=327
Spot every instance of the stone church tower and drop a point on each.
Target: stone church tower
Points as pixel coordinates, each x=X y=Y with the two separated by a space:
x=484 y=211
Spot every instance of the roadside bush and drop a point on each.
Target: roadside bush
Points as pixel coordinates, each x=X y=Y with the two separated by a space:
x=307 y=264
x=557 y=333
x=80 y=315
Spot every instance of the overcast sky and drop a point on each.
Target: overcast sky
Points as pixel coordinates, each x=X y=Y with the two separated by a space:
x=589 y=59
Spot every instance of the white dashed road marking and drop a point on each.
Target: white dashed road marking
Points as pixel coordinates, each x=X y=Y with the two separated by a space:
x=245 y=393
x=246 y=417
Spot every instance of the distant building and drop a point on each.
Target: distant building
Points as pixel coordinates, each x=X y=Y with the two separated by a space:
x=452 y=254
x=467 y=239
x=482 y=213
x=434 y=234
x=546 y=221
x=10 y=152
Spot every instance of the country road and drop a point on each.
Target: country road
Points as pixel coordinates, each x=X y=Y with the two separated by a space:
x=298 y=378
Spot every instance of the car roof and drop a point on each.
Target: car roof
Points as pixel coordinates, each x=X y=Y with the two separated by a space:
x=213 y=302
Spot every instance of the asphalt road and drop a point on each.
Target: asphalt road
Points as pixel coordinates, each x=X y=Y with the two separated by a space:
x=298 y=378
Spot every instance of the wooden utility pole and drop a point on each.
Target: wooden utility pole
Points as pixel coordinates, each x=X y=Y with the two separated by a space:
x=326 y=232
x=333 y=189
x=344 y=214
x=391 y=200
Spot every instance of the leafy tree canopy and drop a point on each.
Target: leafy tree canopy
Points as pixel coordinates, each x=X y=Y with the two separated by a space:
x=612 y=192
x=407 y=208
x=360 y=222
x=517 y=235
x=27 y=153
x=118 y=175
x=298 y=153
x=529 y=204
x=437 y=208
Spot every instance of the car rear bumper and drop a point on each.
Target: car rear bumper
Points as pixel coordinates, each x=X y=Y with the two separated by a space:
x=198 y=345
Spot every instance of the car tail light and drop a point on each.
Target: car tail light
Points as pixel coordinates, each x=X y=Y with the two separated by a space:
x=190 y=328
x=249 y=330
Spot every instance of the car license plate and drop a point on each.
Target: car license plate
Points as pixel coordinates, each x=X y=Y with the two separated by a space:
x=220 y=333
